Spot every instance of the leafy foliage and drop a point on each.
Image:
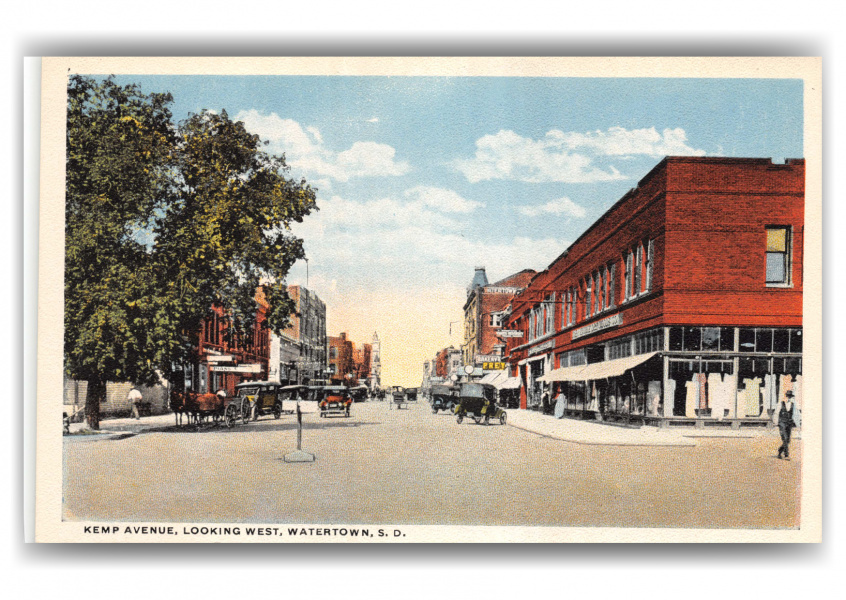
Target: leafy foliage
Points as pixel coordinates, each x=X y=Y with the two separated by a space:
x=162 y=222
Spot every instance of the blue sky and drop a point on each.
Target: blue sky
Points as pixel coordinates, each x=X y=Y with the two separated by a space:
x=422 y=178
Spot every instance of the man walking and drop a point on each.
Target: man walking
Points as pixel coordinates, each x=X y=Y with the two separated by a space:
x=785 y=425
x=134 y=398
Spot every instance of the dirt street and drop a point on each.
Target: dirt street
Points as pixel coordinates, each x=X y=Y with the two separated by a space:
x=413 y=467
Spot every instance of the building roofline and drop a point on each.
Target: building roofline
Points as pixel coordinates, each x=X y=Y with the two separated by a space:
x=662 y=164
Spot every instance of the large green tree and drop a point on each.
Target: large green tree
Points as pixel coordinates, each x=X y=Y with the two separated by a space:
x=162 y=222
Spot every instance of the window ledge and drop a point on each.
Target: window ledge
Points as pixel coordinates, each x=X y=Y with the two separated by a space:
x=782 y=286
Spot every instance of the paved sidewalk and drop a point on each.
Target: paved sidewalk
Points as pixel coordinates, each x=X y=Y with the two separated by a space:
x=110 y=428
x=592 y=433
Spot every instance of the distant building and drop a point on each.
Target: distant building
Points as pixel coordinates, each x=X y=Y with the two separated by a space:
x=298 y=354
x=376 y=363
x=484 y=312
x=341 y=360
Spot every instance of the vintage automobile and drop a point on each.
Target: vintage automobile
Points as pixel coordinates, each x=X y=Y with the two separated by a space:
x=476 y=400
x=443 y=398
x=335 y=400
x=411 y=394
x=359 y=393
x=263 y=397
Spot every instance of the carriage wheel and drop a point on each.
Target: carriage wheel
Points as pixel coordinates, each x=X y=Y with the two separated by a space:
x=230 y=415
x=502 y=418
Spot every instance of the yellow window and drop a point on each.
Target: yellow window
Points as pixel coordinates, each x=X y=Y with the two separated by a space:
x=776 y=240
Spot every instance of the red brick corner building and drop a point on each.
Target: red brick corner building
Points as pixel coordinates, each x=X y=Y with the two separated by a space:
x=681 y=305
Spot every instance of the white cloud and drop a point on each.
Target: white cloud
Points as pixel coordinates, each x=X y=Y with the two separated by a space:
x=507 y=155
x=441 y=199
x=567 y=157
x=373 y=120
x=558 y=207
x=385 y=242
x=305 y=150
x=619 y=141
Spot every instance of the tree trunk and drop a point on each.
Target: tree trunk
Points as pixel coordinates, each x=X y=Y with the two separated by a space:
x=96 y=394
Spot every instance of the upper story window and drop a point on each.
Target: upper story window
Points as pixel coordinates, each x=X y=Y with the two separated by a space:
x=588 y=296
x=496 y=320
x=639 y=262
x=549 y=313
x=612 y=290
x=778 y=255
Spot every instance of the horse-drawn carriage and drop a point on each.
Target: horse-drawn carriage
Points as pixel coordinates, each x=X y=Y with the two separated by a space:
x=197 y=409
x=398 y=396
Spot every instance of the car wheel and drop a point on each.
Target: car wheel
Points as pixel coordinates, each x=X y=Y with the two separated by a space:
x=502 y=418
x=459 y=419
x=477 y=419
x=277 y=411
x=487 y=420
x=434 y=411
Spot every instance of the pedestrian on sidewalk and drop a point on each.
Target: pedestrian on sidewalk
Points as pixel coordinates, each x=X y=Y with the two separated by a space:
x=134 y=398
x=786 y=425
x=560 y=404
x=545 y=403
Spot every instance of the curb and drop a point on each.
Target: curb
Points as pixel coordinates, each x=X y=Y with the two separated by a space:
x=681 y=444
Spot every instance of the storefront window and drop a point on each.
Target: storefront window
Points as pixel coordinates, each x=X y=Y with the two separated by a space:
x=692 y=339
x=753 y=367
x=711 y=338
x=796 y=340
x=676 y=337
x=764 y=340
x=781 y=340
x=747 y=340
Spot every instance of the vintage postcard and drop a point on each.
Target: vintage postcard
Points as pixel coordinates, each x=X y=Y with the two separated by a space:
x=403 y=300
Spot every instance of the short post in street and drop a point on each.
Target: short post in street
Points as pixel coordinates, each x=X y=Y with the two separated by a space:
x=299 y=455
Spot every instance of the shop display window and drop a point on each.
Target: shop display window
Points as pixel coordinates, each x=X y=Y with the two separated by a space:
x=781 y=340
x=771 y=340
x=796 y=340
x=692 y=339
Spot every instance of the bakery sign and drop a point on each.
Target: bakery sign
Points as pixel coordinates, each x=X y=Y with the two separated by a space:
x=606 y=323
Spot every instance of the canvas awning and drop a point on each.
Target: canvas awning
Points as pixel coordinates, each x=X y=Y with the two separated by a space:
x=613 y=368
x=600 y=370
x=512 y=383
x=493 y=377
x=563 y=374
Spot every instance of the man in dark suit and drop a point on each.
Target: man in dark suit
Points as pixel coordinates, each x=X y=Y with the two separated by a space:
x=786 y=425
